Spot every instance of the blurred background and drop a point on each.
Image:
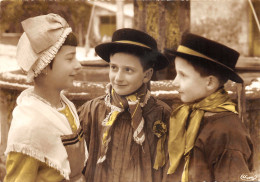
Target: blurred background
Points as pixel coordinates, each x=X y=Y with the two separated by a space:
x=234 y=23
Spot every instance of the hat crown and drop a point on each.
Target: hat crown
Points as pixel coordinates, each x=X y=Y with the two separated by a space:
x=135 y=36
x=211 y=49
x=133 y=40
x=196 y=48
x=43 y=31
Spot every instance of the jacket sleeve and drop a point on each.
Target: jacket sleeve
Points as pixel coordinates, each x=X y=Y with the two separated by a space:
x=230 y=166
x=229 y=149
x=91 y=114
x=84 y=113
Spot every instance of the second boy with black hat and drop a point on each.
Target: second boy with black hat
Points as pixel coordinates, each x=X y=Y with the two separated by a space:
x=207 y=140
x=126 y=128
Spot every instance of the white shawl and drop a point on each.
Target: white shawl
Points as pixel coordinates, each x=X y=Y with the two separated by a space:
x=36 y=128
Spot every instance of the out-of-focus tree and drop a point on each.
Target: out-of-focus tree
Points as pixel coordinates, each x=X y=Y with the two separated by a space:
x=166 y=21
x=76 y=13
x=79 y=13
x=11 y=16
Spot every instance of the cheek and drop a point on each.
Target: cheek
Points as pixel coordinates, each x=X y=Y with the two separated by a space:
x=111 y=75
x=185 y=84
x=136 y=79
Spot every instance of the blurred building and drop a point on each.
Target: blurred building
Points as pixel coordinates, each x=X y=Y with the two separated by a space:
x=107 y=17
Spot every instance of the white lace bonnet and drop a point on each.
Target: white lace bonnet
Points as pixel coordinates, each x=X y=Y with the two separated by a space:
x=42 y=38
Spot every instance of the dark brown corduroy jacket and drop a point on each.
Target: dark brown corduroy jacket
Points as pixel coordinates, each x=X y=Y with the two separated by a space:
x=125 y=161
x=223 y=151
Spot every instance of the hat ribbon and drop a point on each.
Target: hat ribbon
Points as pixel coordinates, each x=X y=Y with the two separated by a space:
x=132 y=42
x=186 y=50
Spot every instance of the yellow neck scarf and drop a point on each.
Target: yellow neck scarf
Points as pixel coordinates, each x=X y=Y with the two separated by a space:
x=181 y=140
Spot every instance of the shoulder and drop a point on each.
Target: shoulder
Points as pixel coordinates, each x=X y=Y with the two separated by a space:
x=93 y=105
x=159 y=104
x=157 y=110
x=225 y=130
x=224 y=122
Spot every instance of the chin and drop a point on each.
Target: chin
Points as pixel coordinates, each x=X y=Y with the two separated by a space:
x=184 y=100
x=68 y=86
x=120 y=93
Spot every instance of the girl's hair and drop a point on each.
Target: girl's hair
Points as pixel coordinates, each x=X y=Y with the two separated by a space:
x=147 y=58
x=206 y=68
x=71 y=40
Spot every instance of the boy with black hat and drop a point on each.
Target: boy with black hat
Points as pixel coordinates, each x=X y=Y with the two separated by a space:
x=126 y=128
x=207 y=140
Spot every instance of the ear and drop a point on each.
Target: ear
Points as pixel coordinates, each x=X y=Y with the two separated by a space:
x=148 y=75
x=212 y=83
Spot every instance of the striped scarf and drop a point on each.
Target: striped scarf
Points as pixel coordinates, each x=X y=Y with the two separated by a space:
x=118 y=104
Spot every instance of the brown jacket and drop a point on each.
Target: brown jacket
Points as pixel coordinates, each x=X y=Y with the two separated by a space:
x=125 y=161
x=223 y=151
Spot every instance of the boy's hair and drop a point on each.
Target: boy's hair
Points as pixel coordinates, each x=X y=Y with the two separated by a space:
x=208 y=68
x=147 y=58
x=71 y=40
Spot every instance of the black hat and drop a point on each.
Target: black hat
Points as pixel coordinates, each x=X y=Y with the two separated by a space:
x=131 y=38
x=199 y=48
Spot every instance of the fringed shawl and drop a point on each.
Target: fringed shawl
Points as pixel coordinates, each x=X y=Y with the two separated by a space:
x=36 y=128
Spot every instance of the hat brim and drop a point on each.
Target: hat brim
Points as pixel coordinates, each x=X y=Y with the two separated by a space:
x=104 y=50
x=232 y=75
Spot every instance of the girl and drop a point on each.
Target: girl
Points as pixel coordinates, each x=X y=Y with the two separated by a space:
x=45 y=138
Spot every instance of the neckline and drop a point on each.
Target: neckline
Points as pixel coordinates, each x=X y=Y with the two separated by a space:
x=62 y=107
x=47 y=102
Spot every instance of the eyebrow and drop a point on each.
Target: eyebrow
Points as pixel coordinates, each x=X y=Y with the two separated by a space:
x=71 y=54
x=113 y=64
x=181 y=72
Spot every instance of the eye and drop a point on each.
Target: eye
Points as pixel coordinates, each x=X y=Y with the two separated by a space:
x=70 y=58
x=113 y=67
x=129 y=70
x=180 y=75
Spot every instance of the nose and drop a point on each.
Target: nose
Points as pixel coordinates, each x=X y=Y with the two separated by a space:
x=176 y=81
x=119 y=76
x=77 y=65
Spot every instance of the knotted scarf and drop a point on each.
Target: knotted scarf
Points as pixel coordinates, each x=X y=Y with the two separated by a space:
x=118 y=104
x=181 y=140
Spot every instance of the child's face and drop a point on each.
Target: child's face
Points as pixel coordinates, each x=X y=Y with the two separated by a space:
x=65 y=67
x=126 y=73
x=191 y=86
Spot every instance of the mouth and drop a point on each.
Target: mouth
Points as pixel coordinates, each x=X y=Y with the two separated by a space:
x=119 y=85
x=72 y=75
x=180 y=92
